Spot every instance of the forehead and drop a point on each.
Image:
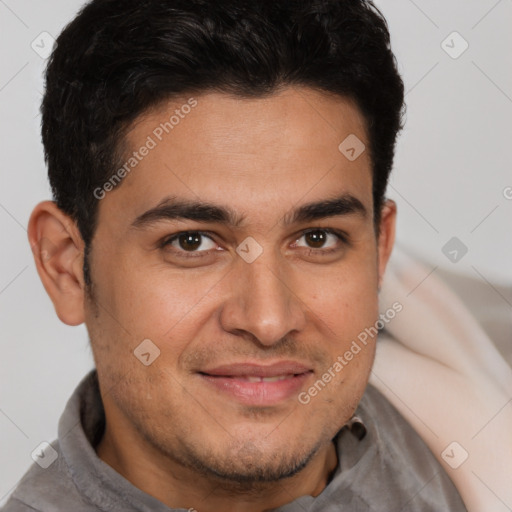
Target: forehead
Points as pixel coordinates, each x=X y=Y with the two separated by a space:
x=298 y=118
x=264 y=152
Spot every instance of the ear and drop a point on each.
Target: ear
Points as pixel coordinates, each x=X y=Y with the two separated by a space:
x=58 y=252
x=386 y=235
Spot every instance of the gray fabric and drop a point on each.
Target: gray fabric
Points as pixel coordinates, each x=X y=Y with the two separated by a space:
x=389 y=469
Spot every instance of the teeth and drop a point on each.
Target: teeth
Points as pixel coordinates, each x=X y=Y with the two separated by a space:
x=274 y=379
x=265 y=379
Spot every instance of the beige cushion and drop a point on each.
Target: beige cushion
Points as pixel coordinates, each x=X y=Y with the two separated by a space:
x=491 y=305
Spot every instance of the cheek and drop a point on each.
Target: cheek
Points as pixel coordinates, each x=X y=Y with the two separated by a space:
x=154 y=300
x=167 y=309
x=346 y=301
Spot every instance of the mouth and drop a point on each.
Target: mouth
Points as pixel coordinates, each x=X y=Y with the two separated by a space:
x=258 y=385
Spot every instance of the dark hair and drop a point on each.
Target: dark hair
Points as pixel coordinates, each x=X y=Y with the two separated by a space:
x=118 y=58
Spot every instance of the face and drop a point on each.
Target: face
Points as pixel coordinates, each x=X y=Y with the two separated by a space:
x=242 y=245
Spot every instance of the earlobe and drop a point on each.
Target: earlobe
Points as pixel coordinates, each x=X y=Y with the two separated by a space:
x=58 y=252
x=386 y=235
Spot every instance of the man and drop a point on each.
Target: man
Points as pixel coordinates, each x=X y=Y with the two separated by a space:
x=219 y=224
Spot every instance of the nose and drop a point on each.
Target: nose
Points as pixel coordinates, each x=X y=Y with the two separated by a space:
x=262 y=302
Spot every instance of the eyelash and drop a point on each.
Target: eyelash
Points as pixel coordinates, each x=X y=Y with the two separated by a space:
x=188 y=254
x=341 y=235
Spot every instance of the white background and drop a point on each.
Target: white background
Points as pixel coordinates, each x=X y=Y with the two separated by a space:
x=452 y=169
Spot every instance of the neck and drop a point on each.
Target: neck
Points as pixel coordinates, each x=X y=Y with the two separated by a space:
x=178 y=486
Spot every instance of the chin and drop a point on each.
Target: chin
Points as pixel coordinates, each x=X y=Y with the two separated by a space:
x=249 y=465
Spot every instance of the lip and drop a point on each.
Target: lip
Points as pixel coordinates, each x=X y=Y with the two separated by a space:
x=257 y=370
x=239 y=381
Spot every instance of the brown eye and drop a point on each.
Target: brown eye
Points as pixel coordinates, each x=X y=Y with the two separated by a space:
x=191 y=241
x=316 y=239
x=321 y=240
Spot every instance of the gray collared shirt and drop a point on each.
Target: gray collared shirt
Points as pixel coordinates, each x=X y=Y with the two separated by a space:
x=384 y=466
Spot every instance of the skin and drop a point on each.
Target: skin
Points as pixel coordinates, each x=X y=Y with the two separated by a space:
x=168 y=431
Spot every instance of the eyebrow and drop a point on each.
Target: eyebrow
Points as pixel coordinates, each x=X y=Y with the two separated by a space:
x=345 y=204
x=172 y=208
